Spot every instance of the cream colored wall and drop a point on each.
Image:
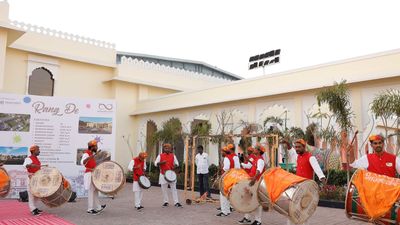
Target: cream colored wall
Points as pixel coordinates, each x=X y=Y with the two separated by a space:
x=357 y=70
x=15 y=72
x=3 y=47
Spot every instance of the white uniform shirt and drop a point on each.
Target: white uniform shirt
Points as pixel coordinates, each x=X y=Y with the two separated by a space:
x=202 y=163
x=315 y=165
x=260 y=165
x=227 y=163
x=27 y=161
x=292 y=156
x=363 y=163
x=84 y=156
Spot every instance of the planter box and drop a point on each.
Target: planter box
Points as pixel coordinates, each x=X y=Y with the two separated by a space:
x=331 y=203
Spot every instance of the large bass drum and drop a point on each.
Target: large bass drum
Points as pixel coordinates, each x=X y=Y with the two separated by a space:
x=298 y=201
x=108 y=177
x=50 y=186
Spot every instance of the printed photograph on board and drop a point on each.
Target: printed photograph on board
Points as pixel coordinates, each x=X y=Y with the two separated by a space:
x=13 y=155
x=14 y=122
x=95 y=125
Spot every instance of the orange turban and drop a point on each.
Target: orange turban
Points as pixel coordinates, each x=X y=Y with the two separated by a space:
x=230 y=146
x=375 y=138
x=143 y=154
x=250 y=149
x=301 y=141
x=224 y=149
x=260 y=148
x=92 y=143
x=167 y=145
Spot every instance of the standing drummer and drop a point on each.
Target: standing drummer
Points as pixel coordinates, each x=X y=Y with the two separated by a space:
x=380 y=162
x=138 y=166
x=32 y=164
x=167 y=161
x=89 y=162
x=306 y=165
x=231 y=160
x=257 y=168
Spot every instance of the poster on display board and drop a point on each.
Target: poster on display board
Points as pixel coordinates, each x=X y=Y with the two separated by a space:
x=61 y=127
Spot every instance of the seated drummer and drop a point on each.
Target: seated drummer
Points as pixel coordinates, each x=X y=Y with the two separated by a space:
x=167 y=161
x=32 y=164
x=89 y=162
x=306 y=166
x=380 y=162
x=138 y=166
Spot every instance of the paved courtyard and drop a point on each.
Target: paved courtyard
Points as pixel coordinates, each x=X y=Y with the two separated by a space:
x=121 y=211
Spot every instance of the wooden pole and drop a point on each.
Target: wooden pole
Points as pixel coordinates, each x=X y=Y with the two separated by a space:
x=186 y=165
x=193 y=170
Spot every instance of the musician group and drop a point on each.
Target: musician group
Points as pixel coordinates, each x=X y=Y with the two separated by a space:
x=253 y=163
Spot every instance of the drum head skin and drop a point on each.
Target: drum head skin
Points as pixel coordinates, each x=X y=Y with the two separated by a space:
x=243 y=198
x=144 y=182
x=170 y=176
x=304 y=201
x=45 y=182
x=108 y=177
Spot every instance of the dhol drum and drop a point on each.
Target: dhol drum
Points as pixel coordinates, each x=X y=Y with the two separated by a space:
x=102 y=156
x=108 y=177
x=234 y=184
x=170 y=176
x=144 y=182
x=290 y=195
x=4 y=182
x=355 y=209
x=50 y=186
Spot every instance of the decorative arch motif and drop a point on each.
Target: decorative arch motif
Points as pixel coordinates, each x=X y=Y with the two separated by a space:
x=41 y=82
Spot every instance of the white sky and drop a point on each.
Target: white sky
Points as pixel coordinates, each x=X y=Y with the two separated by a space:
x=225 y=33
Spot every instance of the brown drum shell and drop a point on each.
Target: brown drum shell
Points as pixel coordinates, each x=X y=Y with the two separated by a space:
x=5 y=188
x=61 y=196
x=108 y=177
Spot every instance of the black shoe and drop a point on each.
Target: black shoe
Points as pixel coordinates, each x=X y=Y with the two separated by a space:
x=221 y=214
x=40 y=211
x=92 y=212
x=244 y=221
x=35 y=212
x=232 y=209
x=256 y=223
x=139 y=208
x=178 y=205
x=102 y=208
x=219 y=208
x=165 y=204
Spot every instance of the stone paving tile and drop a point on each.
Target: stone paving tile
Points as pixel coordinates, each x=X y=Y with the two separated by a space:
x=121 y=211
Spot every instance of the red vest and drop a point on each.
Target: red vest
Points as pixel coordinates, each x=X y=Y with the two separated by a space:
x=384 y=165
x=170 y=162
x=35 y=161
x=231 y=161
x=304 y=168
x=91 y=163
x=251 y=156
x=138 y=171
x=253 y=170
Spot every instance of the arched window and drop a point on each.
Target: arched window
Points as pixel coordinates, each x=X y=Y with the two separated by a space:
x=41 y=82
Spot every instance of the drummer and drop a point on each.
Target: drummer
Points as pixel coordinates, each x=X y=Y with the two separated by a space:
x=231 y=160
x=32 y=164
x=167 y=161
x=138 y=166
x=89 y=162
x=248 y=160
x=307 y=165
x=257 y=168
x=380 y=162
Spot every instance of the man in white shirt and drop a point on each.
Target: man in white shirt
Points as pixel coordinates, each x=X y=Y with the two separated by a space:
x=167 y=161
x=202 y=163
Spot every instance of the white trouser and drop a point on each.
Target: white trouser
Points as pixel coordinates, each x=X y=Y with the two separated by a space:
x=225 y=205
x=290 y=223
x=32 y=199
x=164 y=188
x=257 y=214
x=137 y=190
x=93 y=194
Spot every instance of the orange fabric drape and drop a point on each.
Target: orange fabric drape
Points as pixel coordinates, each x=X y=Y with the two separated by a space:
x=233 y=177
x=377 y=192
x=278 y=180
x=4 y=178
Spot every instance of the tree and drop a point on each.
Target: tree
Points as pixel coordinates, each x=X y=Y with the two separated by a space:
x=171 y=132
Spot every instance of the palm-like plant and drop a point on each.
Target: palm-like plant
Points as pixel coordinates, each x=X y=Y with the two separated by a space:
x=171 y=132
